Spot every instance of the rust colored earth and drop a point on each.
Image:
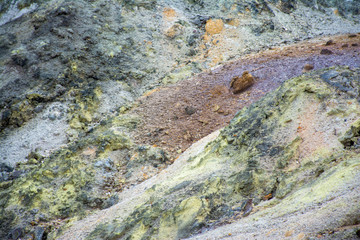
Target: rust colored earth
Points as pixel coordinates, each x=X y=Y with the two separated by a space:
x=175 y=116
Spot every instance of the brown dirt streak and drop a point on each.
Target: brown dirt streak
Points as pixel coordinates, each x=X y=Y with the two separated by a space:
x=166 y=123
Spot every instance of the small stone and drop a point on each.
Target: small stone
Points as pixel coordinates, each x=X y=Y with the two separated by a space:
x=38 y=108
x=330 y=42
x=33 y=161
x=191 y=52
x=308 y=67
x=352 y=35
x=190 y=110
x=114 y=199
x=59 y=89
x=108 y=163
x=239 y=84
x=354 y=44
x=345 y=45
x=98 y=164
x=20 y=59
x=52 y=117
x=329 y=75
x=326 y=52
x=203 y=120
x=215 y=108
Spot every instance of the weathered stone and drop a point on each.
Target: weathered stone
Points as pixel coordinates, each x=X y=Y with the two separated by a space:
x=214 y=26
x=326 y=51
x=351 y=138
x=189 y=110
x=308 y=67
x=239 y=84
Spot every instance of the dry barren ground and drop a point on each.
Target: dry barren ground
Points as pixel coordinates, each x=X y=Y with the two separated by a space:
x=178 y=115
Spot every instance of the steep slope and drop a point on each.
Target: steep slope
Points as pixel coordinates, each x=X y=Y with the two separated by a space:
x=294 y=153
x=66 y=66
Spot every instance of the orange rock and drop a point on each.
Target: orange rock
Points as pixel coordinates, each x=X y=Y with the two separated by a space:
x=239 y=84
x=214 y=26
x=169 y=13
x=308 y=67
x=267 y=197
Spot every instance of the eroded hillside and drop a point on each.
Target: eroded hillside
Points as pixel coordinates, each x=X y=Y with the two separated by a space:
x=97 y=98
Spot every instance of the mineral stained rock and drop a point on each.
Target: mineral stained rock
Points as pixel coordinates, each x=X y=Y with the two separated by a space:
x=239 y=84
x=70 y=71
x=299 y=144
x=308 y=67
x=66 y=66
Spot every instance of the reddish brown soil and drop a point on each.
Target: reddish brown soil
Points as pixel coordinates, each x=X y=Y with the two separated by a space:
x=178 y=115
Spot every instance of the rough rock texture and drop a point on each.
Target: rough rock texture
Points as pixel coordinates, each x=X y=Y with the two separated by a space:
x=239 y=84
x=169 y=123
x=93 y=58
x=70 y=75
x=291 y=152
